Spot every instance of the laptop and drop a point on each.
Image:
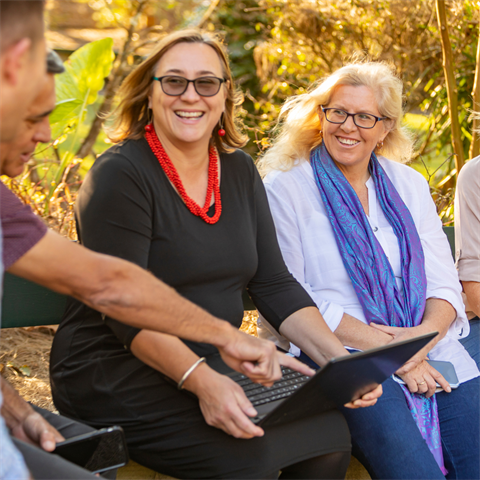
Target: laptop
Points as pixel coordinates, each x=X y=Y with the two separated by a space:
x=341 y=380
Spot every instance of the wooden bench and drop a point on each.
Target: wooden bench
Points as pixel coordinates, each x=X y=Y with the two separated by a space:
x=26 y=304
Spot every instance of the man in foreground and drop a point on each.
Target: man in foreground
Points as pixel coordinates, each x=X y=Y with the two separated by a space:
x=30 y=425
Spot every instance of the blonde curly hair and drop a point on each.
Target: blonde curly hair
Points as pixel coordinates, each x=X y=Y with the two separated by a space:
x=299 y=126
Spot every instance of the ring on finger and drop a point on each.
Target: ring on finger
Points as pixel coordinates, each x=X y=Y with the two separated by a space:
x=421 y=383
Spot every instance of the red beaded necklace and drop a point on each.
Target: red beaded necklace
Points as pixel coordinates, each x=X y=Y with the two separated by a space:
x=172 y=174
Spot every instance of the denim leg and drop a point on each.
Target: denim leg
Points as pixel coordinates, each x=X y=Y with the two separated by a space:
x=472 y=342
x=387 y=441
x=458 y=412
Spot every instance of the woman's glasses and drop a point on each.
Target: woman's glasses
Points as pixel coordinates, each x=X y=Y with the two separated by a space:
x=174 y=85
x=361 y=120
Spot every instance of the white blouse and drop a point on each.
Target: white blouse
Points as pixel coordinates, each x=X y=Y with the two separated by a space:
x=309 y=249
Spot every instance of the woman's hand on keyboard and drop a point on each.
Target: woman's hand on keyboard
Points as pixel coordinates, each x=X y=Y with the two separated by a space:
x=223 y=403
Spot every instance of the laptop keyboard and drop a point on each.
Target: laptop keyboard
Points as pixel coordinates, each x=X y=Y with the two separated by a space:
x=290 y=382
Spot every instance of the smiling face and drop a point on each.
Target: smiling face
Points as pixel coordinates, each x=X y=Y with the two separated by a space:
x=187 y=120
x=34 y=129
x=350 y=146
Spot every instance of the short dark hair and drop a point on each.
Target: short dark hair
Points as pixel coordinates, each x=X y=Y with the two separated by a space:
x=20 y=19
x=54 y=62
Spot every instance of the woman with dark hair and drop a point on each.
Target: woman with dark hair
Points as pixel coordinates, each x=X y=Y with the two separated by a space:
x=175 y=197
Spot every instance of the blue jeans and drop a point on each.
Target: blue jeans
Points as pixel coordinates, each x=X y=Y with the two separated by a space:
x=472 y=342
x=386 y=440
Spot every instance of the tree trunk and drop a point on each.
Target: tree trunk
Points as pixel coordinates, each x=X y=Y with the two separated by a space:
x=475 y=145
x=448 y=69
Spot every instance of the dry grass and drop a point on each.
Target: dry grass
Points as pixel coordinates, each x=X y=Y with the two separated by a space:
x=28 y=347
x=31 y=346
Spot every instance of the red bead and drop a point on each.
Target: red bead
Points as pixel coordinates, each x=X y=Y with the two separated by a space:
x=221 y=132
x=171 y=172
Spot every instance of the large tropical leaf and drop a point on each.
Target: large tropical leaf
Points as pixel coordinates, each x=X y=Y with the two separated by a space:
x=78 y=86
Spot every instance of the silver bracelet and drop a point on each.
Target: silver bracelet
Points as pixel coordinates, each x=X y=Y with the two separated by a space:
x=189 y=371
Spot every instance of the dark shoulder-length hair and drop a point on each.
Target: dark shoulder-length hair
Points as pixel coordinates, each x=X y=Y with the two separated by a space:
x=131 y=115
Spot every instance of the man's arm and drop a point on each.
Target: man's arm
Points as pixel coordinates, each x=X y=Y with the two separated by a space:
x=131 y=295
x=24 y=422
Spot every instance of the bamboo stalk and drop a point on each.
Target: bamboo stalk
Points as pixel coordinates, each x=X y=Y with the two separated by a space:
x=448 y=69
x=207 y=14
x=475 y=145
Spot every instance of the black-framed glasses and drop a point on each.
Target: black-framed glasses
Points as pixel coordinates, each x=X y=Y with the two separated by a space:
x=361 y=120
x=175 y=85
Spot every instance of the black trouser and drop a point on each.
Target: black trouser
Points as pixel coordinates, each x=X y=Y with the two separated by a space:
x=44 y=465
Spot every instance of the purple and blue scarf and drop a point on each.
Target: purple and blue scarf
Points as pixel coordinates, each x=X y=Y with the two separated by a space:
x=370 y=271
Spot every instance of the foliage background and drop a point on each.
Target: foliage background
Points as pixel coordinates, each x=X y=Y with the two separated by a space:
x=277 y=48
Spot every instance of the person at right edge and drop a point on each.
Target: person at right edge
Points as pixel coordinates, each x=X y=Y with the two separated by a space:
x=467 y=248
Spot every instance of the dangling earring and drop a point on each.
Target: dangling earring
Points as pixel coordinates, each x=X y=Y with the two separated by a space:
x=221 y=131
x=380 y=145
x=149 y=125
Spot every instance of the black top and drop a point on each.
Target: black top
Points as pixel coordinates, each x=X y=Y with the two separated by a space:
x=128 y=208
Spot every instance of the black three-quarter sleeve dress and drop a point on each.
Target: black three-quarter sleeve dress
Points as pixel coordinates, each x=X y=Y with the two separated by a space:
x=128 y=208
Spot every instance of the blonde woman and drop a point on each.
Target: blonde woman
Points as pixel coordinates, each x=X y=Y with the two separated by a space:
x=178 y=198
x=359 y=230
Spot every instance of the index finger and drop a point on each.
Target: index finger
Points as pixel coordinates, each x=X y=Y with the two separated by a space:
x=264 y=371
x=294 y=364
x=440 y=379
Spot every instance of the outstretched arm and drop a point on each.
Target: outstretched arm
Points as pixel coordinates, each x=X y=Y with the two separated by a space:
x=117 y=288
x=130 y=294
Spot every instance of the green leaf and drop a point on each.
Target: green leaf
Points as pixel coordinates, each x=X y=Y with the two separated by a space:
x=76 y=88
x=85 y=74
x=25 y=369
x=65 y=111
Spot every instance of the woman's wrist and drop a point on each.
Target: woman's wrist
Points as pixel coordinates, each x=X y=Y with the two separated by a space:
x=198 y=379
x=189 y=372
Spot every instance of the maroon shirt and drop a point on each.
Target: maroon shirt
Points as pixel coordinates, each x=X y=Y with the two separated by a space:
x=21 y=228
